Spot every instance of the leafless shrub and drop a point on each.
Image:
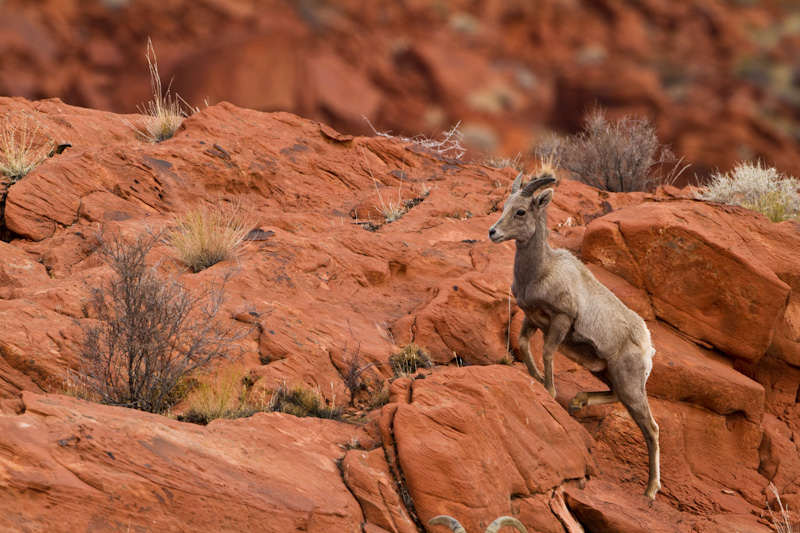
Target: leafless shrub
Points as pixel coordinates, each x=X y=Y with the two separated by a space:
x=448 y=146
x=623 y=156
x=150 y=332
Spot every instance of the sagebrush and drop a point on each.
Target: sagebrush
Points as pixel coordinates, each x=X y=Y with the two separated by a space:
x=150 y=333
x=758 y=187
x=622 y=156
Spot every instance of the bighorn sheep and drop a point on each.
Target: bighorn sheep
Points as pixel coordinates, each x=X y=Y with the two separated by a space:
x=494 y=527
x=576 y=314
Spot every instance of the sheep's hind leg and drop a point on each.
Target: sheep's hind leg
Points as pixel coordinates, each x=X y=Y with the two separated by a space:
x=582 y=399
x=528 y=330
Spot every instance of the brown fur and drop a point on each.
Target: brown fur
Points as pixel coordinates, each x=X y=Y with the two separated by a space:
x=578 y=315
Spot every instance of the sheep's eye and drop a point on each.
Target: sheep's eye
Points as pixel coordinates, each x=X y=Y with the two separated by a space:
x=520 y=212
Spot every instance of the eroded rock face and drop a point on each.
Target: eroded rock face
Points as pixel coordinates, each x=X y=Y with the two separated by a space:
x=708 y=269
x=329 y=278
x=111 y=468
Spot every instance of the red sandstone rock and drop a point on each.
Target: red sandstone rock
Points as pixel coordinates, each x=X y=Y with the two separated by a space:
x=697 y=263
x=114 y=468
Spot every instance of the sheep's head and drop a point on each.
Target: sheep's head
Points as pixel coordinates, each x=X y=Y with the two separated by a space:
x=522 y=210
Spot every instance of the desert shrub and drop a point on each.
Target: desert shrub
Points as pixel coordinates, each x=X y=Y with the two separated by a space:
x=150 y=332
x=379 y=396
x=623 y=156
x=756 y=187
x=24 y=145
x=223 y=395
x=300 y=400
x=409 y=359
x=163 y=114
x=211 y=233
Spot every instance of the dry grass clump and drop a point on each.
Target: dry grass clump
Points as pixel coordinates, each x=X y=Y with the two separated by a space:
x=756 y=187
x=224 y=395
x=211 y=233
x=24 y=145
x=300 y=400
x=782 y=521
x=163 y=114
x=409 y=359
x=623 y=156
x=498 y=162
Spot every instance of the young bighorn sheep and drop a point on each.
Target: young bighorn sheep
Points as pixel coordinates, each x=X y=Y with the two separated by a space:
x=577 y=314
x=456 y=527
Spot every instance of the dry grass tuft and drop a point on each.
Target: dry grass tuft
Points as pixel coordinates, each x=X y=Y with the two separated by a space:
x=757 y=187
x=211 y=233
x=223 y=395
x=24 y=145
x=409 y=359
x=497 y=162
x=164 y=114
x=300 y=400
x=782 y=521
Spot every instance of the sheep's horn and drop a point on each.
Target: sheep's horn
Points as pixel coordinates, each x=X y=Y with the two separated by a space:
x=537 y=184
x=448 y=521
x=517 y=183
x=495 y=526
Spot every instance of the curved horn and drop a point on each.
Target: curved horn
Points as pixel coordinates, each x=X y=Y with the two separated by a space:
x=448 y=521
x=537 y=184
x=517 y=183
x=495 y=526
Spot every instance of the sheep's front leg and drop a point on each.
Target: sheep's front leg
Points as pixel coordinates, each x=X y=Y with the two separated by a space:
x=525 y=334
x=559 y=327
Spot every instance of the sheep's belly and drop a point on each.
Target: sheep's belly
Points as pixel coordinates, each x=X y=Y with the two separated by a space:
x=583 y=353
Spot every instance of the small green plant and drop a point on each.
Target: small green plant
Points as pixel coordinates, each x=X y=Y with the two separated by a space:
x=756 y=187
x=224 y=395
x=24 y=145
x=164 y=114
x=409 y=359
x=622 y=156
x=211 y=233
x=300 y=400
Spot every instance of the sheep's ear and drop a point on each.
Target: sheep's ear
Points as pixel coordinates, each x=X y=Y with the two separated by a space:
x=517 y=183
x=540 y=201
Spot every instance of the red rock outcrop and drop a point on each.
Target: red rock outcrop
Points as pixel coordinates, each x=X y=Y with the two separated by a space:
x=333 y=279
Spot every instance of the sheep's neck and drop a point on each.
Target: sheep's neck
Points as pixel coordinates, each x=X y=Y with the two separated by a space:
x=532 y=256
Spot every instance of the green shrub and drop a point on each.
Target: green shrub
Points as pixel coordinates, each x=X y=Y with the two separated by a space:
x=756 y=187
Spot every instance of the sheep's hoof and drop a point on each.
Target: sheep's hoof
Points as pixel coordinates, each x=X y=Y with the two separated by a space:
x=577 y=403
